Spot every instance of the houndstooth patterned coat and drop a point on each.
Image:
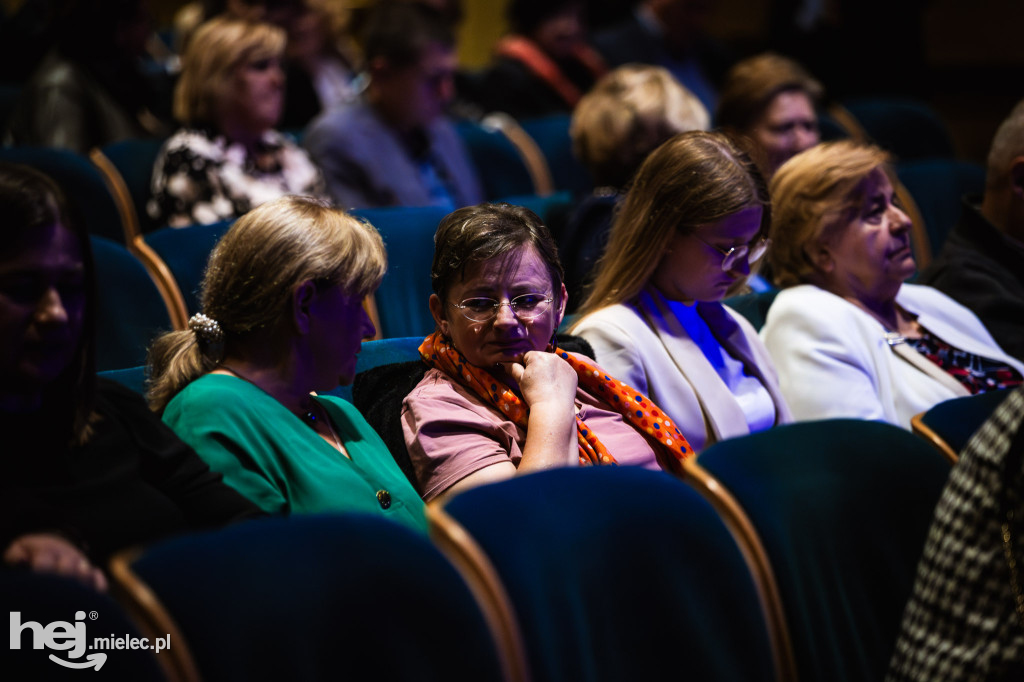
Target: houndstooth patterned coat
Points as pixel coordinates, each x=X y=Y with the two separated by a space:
x=962 y=621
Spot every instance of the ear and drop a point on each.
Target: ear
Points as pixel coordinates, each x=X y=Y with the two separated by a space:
x=302 y=298
x=440 y=318
x=821 y=257
x=1017 y=177
x=562 y=299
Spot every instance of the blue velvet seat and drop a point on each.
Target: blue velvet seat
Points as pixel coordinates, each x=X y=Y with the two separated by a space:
x=310 y=598
x=949 y=425
x=130 y=311
x=614 y=573
x=402 y=299
x=842 y=507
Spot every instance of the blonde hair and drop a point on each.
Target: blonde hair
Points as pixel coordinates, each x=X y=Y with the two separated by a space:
x=252 y=274
x=211 y=56
x=628 y=113
x=693 y=179
x=812 y=194
x=752 y=84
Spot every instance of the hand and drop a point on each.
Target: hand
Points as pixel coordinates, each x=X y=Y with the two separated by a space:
x=544 y=378
x=49 y=553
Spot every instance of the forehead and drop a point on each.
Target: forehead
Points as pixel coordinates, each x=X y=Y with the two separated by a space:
x=42 y=247
x=521 y=267
x=742 y=224
x=790 y=104
x=874 y=183
x=437 y=57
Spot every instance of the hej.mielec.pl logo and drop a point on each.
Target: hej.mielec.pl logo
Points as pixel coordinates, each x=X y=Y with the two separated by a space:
x=70 y=637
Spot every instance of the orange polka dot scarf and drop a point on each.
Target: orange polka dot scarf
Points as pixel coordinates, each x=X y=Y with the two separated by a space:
x=671 y=446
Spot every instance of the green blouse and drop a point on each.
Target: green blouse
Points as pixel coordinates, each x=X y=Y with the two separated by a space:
x=276 y=460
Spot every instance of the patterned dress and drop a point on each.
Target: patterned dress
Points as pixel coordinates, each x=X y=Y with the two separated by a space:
x=965 y=617
x=202 y=178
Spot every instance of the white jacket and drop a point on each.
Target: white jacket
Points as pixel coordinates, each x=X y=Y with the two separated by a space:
x=834 y=359
x=643 y=344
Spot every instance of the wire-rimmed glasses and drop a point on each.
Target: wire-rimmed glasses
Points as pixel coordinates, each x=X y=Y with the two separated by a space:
x=752 y=252
x=524 y=307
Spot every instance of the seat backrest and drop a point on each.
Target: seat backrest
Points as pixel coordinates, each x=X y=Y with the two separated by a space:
x=185 y=251
x=909 y=128
x=937 y=186
x=842 y=507
x=130 y=311
x=89 y=199
x=753 y=306
x=130 y=163
x=310 y=598
x=402 y=299
x=129 y=377
x=614 y=573
x=44 y=600
x=381 y=352
x=551 y=133
x=949 y=425
x=501 y=169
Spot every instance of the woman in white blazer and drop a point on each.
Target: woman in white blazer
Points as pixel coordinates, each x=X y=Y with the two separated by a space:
x=848 y=336
x=693 y=221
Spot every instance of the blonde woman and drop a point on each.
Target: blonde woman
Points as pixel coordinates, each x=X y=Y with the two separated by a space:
x=694 y=220
x=849 y=337
x=228 y=157
x=283 y=318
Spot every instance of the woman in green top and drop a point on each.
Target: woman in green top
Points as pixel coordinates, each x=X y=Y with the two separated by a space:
x=283 y=318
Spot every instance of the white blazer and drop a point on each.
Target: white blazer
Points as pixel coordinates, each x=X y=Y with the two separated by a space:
x=834 y=359
x=643 y=343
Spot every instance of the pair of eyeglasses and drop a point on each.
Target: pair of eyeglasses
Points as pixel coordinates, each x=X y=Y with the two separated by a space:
x=524 y=307
x=731 y=256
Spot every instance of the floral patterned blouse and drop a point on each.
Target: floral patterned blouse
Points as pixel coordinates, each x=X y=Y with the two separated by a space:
x=200 y=178
x=977 y=374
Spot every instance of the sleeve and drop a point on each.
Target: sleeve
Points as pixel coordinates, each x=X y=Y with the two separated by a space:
x=174 y=468
x=187 y=189
x=345 y=177
x=823 y=366
x=615 y=350
x=449 y=438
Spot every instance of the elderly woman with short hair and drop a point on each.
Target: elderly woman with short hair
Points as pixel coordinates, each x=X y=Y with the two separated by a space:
x=849 y=337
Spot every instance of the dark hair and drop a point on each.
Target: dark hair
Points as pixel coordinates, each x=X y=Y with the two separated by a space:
x=475 y=234
x=524 y=16
x=30 y=200
x=752 y=84
x=400 y=31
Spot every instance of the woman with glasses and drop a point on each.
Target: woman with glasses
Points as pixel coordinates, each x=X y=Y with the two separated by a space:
x=690 y=228
x=846 y=319
x=499 y=396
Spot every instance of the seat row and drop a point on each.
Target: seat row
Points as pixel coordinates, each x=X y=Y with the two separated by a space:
x=783 y=555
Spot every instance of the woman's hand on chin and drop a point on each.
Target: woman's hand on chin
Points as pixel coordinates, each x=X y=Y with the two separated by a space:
x=544 y=379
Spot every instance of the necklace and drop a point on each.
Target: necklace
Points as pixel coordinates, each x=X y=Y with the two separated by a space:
x=312 y=419
x=308 y=416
